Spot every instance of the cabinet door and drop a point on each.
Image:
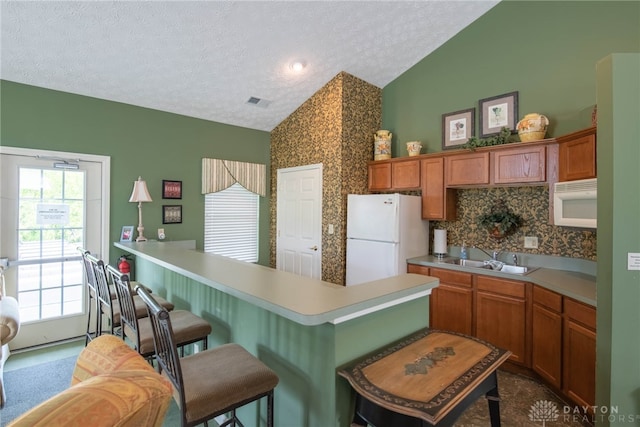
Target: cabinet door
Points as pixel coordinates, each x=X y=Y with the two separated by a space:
x=501 y=315
x=519 y=165
x=546 y=341
x=467 y=169
x=380 y=176
x=405 y=175
x=579 y=353
x=438 y=202
x=451 y=303
x=577 y=156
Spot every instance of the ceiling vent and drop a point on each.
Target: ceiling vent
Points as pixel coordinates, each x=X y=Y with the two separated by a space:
x=258 y=102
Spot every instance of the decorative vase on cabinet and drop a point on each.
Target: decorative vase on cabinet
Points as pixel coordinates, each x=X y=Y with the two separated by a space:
x=382 y=145
x=532 y=127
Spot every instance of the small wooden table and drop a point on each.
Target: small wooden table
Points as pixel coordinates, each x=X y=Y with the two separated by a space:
x=426 y=379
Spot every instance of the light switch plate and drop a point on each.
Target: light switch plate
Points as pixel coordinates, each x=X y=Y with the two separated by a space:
x=530 y=242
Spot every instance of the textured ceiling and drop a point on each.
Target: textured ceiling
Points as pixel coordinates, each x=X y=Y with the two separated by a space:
x=205 y=59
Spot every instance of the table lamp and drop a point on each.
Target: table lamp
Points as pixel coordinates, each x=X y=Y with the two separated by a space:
x=140 y=194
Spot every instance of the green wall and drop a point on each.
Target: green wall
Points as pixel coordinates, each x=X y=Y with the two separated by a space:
x=618 y=288
x=141 y=142
x=546 y=51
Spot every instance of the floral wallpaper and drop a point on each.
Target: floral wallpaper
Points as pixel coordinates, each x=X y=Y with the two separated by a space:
x=532 y=203
x=334 y=127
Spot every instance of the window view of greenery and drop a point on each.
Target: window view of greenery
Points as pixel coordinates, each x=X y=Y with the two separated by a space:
x=51 y=221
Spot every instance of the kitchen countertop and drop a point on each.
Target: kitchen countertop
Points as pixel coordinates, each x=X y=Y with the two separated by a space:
x=574 y=284
x=301 y=299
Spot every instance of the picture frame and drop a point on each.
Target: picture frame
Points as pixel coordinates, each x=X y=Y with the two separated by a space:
x=171 y=189
x=457 y=128
x=126 y=235
x=497 y=112
x=172 y=214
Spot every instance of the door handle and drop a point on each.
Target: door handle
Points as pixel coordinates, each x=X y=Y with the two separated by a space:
x=314 y=248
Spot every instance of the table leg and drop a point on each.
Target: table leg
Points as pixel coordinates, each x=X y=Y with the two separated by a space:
x=493 y=399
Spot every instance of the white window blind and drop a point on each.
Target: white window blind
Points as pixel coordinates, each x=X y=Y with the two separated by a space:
x=231 y=223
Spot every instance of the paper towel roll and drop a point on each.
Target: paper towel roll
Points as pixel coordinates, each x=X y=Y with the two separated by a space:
x=439 y=241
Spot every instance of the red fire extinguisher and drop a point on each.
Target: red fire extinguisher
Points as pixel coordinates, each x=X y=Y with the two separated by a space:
x=124 y=266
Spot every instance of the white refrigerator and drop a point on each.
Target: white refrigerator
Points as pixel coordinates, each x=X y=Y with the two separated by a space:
x=383 y=230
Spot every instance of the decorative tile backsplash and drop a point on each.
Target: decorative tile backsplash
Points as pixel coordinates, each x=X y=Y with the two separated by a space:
x=532 y=203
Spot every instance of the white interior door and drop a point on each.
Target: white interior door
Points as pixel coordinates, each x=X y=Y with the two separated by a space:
x=299 y=220
x=50 y=205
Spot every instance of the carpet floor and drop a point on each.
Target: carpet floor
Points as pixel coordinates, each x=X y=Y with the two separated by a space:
x=30 y=386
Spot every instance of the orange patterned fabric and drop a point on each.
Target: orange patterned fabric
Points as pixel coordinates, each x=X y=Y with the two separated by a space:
x=104 y=355
x=112 y=385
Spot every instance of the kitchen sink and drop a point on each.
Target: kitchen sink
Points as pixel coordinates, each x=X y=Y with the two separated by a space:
x=491 y=265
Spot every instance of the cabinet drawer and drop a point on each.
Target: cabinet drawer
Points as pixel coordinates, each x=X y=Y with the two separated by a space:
x=452 y=277
x=581 y=313
x=417 y=269
x=547 y=298
x=501 y=286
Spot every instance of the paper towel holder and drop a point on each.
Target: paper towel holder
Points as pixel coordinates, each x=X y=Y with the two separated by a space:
x=440 y=243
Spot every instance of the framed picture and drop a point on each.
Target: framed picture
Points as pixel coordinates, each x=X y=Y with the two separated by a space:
x=172 y=214
x=127 y=233
x=457 y=127
x=498 y=112
x=171 y=189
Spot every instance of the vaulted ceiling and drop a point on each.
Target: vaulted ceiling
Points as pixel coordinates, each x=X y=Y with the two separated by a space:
x=207 y=59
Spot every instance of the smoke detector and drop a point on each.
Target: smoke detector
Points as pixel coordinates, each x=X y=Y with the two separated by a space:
x=258 y=102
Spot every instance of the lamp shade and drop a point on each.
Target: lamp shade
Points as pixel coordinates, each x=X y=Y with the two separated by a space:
x=140 y=192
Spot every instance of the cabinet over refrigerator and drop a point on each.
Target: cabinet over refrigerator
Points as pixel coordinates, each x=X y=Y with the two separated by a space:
x=383 y=231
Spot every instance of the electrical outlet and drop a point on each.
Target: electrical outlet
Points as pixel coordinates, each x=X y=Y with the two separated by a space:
x=530 y=242
x=161 y=235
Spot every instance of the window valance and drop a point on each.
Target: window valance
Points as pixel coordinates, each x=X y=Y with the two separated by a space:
x=218 y=175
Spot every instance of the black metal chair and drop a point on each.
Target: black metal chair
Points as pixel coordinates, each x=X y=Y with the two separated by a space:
x=92 y=296
x=107 y=302
x=187 y=327
x=212 y=382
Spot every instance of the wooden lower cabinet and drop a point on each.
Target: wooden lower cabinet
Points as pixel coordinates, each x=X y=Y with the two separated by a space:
x=501 y=315
x=579 y=352
x=546 y=336
x=451 y=306
x=548 y=333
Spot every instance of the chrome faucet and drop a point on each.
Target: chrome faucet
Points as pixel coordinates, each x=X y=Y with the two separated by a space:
x=515 y=259
x=493 y=255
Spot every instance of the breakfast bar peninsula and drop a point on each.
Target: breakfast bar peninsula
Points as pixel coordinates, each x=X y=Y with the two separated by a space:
x=302 y=328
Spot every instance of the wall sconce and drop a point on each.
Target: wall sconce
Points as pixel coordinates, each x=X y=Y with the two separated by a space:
x=140 y=194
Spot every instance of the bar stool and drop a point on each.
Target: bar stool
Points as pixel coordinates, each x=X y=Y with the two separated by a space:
x=92 y=299
x=209 y=383
x=110 y=306
x=187 y=327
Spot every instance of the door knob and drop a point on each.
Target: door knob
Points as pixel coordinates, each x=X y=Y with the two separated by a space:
x=314 y=248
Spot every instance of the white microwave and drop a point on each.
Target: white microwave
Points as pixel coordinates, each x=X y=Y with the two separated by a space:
x=575 y=203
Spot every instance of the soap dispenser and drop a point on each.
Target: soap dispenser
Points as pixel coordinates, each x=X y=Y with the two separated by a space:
x=463 y=251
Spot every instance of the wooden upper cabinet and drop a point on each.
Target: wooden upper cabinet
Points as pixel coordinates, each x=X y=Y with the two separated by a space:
x=394 y=175
x=380 y=176
x=405 y=174
x=577 y=156
x=519 y=165
x=438 y=202
x=467 y=169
